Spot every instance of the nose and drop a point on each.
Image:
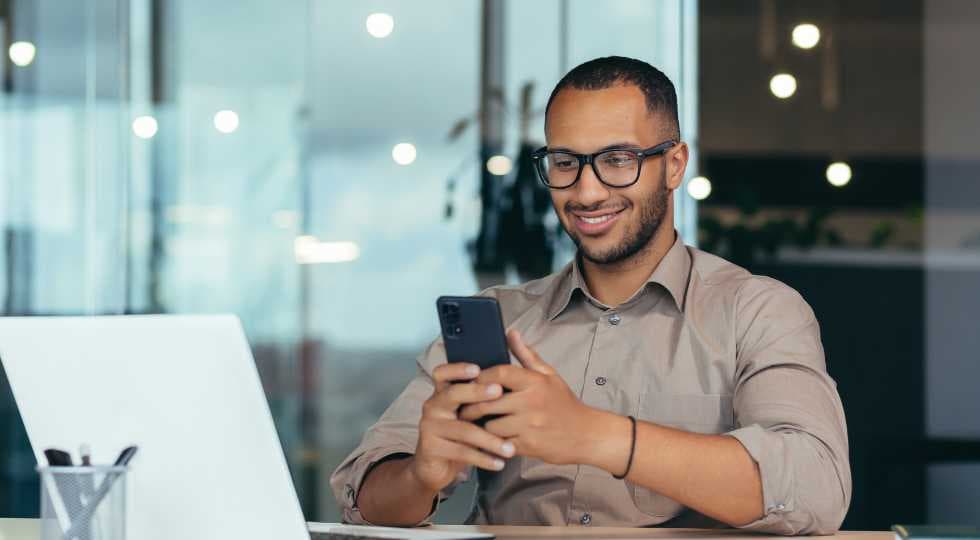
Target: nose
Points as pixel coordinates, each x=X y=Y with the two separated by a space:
x=589 y=190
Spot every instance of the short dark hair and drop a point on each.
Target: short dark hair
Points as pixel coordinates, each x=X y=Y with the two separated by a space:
x=609 y=71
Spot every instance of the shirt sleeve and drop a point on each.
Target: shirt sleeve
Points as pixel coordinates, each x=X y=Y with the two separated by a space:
x=788 y=413
x=396 y=432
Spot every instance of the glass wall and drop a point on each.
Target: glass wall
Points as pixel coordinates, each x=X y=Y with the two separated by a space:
x=840 y=140
x=319 y=169
x=951 y=130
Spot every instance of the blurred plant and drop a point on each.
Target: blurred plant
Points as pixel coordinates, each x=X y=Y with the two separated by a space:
x=881 y=233
x=518 y=235
x=744 y=243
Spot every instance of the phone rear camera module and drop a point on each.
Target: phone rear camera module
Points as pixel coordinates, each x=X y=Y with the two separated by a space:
x=458 y=330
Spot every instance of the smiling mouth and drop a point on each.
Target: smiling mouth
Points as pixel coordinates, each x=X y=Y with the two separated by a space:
x=595 y=223
x=600 y=219
x=597 y=217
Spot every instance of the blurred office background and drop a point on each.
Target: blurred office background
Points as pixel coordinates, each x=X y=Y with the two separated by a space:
x=325 y=169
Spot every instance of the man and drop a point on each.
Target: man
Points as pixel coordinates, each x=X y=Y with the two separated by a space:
x=654 y=384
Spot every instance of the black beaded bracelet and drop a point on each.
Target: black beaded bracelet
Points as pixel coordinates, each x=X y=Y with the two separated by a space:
x=629 y=464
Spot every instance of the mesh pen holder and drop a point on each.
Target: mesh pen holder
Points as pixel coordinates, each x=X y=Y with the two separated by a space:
x=83 y=503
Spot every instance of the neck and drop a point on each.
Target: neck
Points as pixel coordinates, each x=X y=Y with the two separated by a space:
x=612 y=284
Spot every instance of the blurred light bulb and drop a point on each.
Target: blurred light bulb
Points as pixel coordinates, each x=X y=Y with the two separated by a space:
x=309 y=250
x=806 y=35
x=499 y=165
x=404 y=153
x=226 y=121
x=839 y=174
x=380 y=25
x=145 y=127
x=22 y=53
x=783 y=85
x=699 y=188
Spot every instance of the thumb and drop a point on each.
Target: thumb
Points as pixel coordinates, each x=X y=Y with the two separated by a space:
x=527 y=357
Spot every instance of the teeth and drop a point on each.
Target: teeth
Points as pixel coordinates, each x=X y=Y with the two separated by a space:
x=599 y=219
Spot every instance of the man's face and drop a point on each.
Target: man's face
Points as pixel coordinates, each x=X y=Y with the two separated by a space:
x=607 y=224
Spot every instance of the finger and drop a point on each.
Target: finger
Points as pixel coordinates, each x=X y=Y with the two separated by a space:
x=460 y=453
x=509 y=376
x=455 y=395
x=445 y=374
x=526 y=355
x=507 y=427
x=473 y=436
x=507 y=404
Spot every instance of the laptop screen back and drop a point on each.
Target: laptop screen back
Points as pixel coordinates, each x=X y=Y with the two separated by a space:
x=186 y=391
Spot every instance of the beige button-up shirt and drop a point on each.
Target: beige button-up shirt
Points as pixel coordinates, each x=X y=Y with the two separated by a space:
x=704 y=346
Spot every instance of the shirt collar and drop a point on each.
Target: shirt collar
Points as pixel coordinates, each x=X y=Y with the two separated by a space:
x=567 y=282
x=673 y=274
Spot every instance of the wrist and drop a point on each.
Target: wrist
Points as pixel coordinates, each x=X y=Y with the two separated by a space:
x=415 y=481
x=608 y=445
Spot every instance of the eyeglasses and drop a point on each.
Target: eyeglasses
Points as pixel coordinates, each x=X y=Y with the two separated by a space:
x=614 y=167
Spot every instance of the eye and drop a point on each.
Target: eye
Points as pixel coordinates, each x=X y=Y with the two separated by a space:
x=618 y=159
x=564 y=162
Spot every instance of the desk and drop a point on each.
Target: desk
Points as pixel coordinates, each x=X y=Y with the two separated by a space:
x=533 y=533
x=27 y=529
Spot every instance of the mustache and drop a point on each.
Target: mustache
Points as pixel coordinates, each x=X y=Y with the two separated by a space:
x=574 y=207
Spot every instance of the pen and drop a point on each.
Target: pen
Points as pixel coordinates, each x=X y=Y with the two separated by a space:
x=82 y=523
x=57 y=458
x=126 y=455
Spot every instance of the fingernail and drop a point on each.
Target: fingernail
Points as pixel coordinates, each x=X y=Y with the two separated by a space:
x=472 y=371
x=507 y=448
x=493 y=389
x=498 y=464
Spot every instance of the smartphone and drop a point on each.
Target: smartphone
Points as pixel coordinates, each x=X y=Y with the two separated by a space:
x=473 y=332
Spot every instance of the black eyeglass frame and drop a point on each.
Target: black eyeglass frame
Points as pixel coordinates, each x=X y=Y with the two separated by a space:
x=539 y=155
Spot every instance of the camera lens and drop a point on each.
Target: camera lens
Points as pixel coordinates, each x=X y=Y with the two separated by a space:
x=458 y=329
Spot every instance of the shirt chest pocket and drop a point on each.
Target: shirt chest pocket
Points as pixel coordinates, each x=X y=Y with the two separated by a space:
x=698 y=413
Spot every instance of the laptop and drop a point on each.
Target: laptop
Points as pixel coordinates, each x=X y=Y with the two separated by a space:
x=185 y=390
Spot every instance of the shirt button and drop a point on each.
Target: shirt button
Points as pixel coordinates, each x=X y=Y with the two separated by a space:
x=585 y=519
x=614 y=319
x=601 y=381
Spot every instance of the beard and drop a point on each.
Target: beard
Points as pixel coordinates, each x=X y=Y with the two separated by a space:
x=652 y=214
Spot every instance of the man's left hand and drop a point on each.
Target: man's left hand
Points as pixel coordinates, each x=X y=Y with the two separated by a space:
x=542 y=417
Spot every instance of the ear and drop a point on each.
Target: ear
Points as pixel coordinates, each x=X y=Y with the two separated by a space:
x=676 y=162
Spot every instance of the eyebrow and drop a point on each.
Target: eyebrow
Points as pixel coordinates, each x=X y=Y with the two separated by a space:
x=614 y=146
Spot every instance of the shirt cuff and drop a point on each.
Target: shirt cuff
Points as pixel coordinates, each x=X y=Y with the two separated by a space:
x=767 y=450
x=361 y=467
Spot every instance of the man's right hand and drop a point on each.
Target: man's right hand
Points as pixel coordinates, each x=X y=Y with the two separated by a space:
x=447 y=445
x=401 y=492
